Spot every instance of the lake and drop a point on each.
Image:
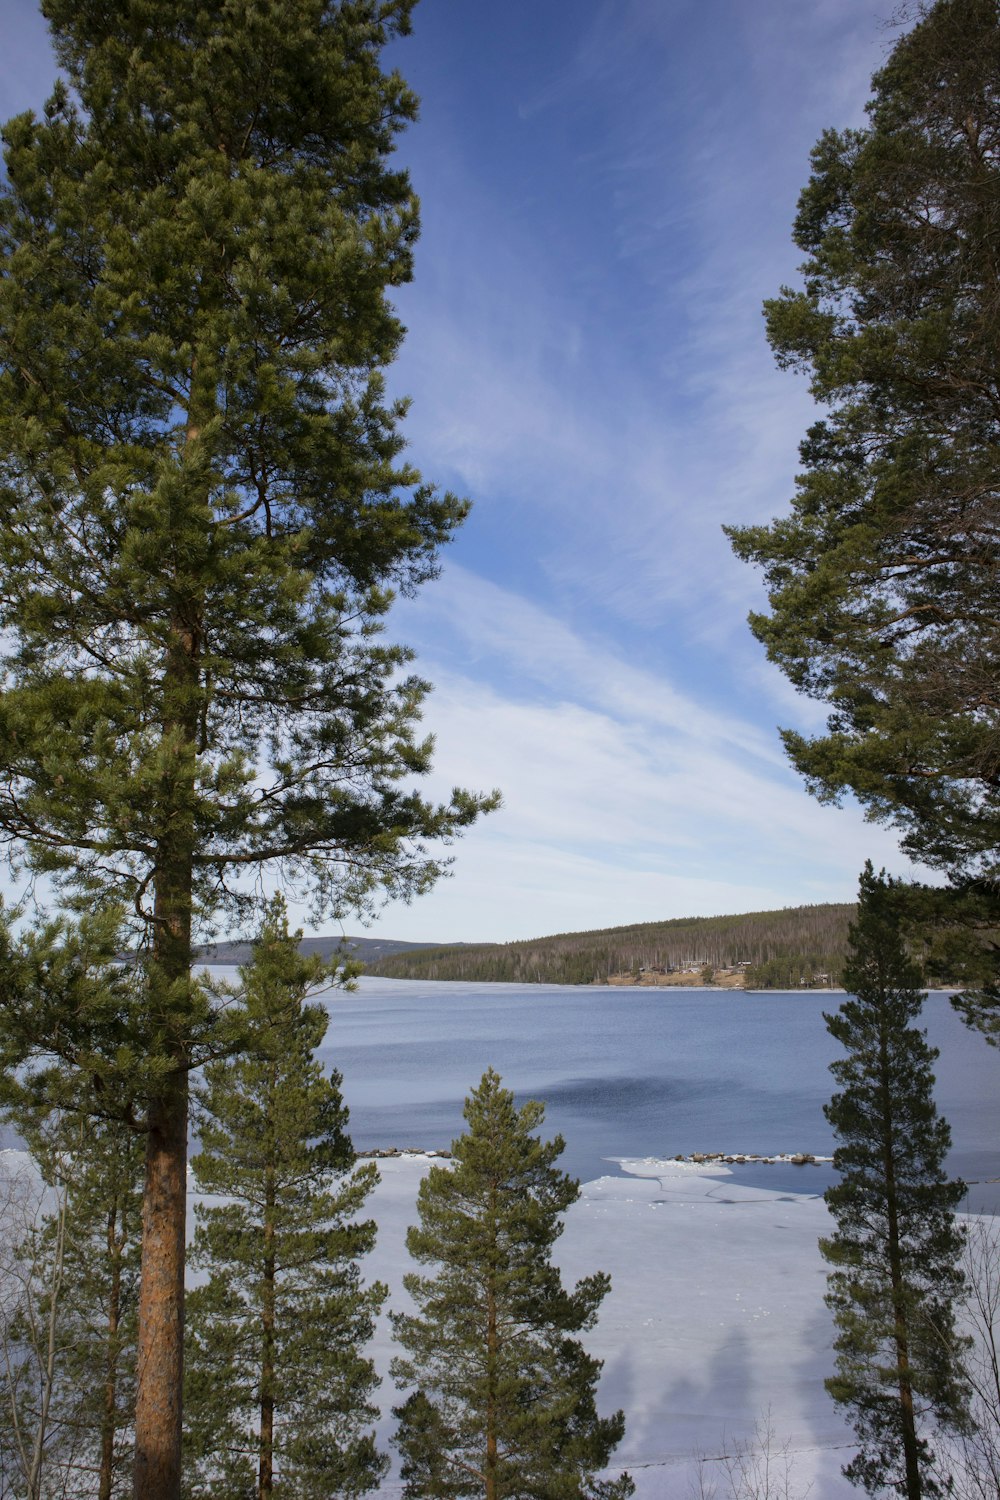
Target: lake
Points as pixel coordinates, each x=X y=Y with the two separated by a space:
x=634 y=1072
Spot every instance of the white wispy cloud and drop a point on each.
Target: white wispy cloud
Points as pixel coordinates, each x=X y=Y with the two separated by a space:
x=641 y=430
x=502 y=631
x=625 y=799
x=588 y=362
x=606 y=823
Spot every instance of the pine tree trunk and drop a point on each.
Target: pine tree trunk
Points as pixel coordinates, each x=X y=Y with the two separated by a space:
x=492 y=1491
x=161 y=1298
x=491 y=1410
x=49 y=1353
x=910 y=1451
x=164 y=1215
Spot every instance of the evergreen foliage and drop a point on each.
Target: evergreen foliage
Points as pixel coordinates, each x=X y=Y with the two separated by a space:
x=204 y=513
x=503 y=1404
x=956 y=931
x=278 y=1388
x=895 y=1255
x=884 y=581
x=203 y=516
x=76 y=1032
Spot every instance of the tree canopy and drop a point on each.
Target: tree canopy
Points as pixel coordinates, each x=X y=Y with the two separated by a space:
x=884 y=581
x=204 y=506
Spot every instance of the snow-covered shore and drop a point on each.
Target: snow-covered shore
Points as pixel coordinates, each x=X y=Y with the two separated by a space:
x=716 y=1314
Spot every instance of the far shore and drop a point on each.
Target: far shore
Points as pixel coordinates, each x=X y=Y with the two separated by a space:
x=690 y=979
x=628 y=983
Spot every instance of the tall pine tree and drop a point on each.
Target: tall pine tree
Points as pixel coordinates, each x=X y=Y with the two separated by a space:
x=203 y=515
x=503 y=1404
x=278 y=1388
x=895 y=1254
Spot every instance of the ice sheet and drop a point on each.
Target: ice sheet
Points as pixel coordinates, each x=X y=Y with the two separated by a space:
x=715 y=1315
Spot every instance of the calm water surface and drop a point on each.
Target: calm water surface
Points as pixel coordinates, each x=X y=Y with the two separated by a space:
x=635 y=1072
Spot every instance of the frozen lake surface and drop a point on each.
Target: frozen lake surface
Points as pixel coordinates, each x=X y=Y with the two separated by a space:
x=715 y=1315
x=636 y=1072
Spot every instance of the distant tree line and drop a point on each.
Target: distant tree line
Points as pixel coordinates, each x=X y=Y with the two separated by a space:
x=780 y=948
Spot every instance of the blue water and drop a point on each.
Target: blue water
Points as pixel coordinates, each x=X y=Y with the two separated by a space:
x=636 y=1072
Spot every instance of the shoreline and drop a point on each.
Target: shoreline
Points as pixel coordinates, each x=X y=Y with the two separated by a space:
x=715 y=1315
x=604 y=984
x=692 y=1159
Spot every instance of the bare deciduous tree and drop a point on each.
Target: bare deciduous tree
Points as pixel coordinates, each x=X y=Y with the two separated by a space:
x=975 y=1462
x=68 y=1287
x=755 y=1468
x=34 y=1440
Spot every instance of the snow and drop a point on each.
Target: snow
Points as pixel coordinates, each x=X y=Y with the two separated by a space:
x=715 y=1315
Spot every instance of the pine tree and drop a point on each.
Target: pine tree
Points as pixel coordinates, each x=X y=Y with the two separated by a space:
x=884 y=578
x=883 y=581
x=503 y=1404
x=278 y=1390
x=895 y=1254
x=203 y=516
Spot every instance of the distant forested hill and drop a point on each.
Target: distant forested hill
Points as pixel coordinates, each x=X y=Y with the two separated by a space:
x=369 y=950
x=776 y=950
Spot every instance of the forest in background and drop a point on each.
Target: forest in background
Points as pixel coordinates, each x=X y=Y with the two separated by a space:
x=776 y=949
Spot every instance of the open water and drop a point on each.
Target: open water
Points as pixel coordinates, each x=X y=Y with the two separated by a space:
x=628 y=1072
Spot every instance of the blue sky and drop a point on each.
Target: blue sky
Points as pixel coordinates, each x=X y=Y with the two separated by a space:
x=607 y=190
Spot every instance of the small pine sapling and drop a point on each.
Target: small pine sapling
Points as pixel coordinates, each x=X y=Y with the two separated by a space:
x=278 y=1387
x=503 y=1395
